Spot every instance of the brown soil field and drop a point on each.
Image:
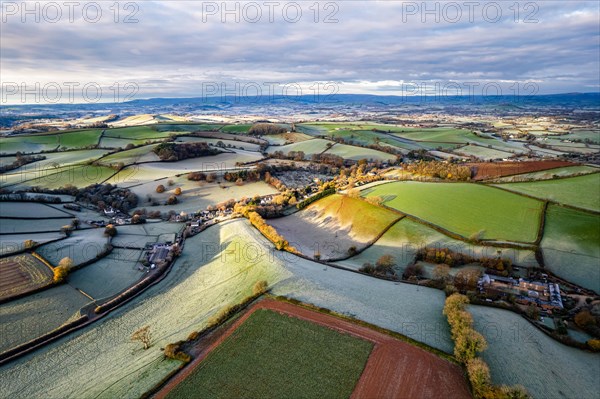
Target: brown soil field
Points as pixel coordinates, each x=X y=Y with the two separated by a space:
x=490 y=170
x=21 y=274
x=395 y=369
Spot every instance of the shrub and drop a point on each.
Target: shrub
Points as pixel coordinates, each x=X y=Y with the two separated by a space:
x=160 y=188
x=177 y=191
x=260 y=287
x=584 y=319
x=174 y=351
x=172 y=200
x=29 y=244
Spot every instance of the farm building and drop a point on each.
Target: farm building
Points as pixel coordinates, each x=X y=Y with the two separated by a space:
x=543 y=294
x=158 y=253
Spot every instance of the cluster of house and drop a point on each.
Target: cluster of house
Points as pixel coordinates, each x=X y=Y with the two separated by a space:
x=545 y=295
x=206 y=216
x=116 y=217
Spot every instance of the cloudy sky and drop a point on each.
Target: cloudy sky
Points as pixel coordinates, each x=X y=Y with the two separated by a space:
x=195 y=48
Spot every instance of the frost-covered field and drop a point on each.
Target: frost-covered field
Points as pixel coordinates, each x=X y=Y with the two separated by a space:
x=81 y=246
x=27 y=318
x=109 y=275
x=518 y=353
x=218 y=267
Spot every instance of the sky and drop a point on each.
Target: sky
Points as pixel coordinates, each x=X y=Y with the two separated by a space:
x=106 y=50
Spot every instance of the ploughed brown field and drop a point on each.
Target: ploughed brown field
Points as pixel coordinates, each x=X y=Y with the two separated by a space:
x=490 y=170
x=395 y=369
x=21 y=274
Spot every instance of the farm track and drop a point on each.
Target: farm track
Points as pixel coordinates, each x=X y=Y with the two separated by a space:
x=395 y=369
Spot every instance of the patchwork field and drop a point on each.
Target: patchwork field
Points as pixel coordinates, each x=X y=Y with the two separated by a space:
x=578 y=191
x=406 y=237
x=51 y=141
x=331 y=225
x=570 y=246
x=467 y=209
x=297 y=359
x=196 y=195
x=22 y=274
x=519 y=353
x=301 y=341
x=217 y=268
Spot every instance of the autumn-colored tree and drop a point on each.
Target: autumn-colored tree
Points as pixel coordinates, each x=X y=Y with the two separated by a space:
x=110 y=231
x=177 y=191
x=160 y=188
x=468 y=344
x=479 y=375
x=466 y=279
x=62 y=270
x=29 y=244
x=142 y=335
x=385 y=263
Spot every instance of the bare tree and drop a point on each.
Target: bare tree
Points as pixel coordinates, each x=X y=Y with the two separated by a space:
x=142 y=335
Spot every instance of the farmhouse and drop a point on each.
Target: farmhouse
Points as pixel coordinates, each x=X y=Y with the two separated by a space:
x=543 y=294
x=158 y=253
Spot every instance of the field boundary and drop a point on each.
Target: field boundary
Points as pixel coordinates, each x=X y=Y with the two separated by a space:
x=311 y=314
x=542 y=199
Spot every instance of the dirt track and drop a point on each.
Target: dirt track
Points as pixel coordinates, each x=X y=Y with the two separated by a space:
x=395 y=369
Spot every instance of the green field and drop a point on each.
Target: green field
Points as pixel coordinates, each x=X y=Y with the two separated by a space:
x=483 y=153
x=78 y=176
x=236 y=128
x=276 y=356
x=570 y=246
x=356 y=153
x=407 y=236
x=50 y=141
x=309 y=147
x=465 y=209
x=591 y=135
x=579 y=191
